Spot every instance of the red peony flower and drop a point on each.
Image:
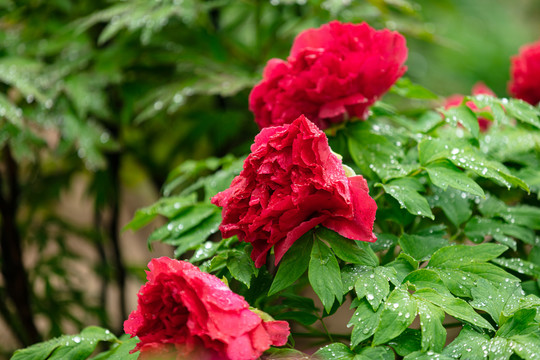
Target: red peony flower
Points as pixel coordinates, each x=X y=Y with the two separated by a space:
x=478 y=89
x=292 y=182
x=525 y=74
x=334 y=72
x=185 y=313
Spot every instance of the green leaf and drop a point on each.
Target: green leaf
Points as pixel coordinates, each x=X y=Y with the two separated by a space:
x=335 y=351
x=78 y=346
x=524 y=215
x=403 y=265
x=384 y=242
x=469 y=344
x=532 y=177
x=405 y=191
x=205 y=251
x=169 y=207
x=406 y=88
x=10 y=112
x=189 y=218
x=426 y=356
x=192 y=170
x=120 y=351
x=375 y=154
x=457 y=281
x=492 y=104
x=241 y=266
x=398 y=313
x=526 y=346
x=478 y=228
x=455 y=307
x=455 y=204
x=373 y=286
x=196 y=235
x=496 y=300
x=489 y=272
x=499 y=348
x=350 y=273
x=430 y=355
x=426 y=278
x=324 y=275
x=523 y=112
x=375 y=353
x=293 y=264
x=465 y=116
x=365 y=322
x=451 y=256
x=421 y=247
x=466 y=156
x=431 y=323
x=445 y=174
x=389 y=273
x=355 y=252
x=21 y=73
x=408 y=342
x=521 y=266
x=522 y=323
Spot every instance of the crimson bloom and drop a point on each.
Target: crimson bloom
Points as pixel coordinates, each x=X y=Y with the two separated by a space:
x=525 y=74
x=334 y=72
x=478 y=89
x=185 y=313
x=292 y=182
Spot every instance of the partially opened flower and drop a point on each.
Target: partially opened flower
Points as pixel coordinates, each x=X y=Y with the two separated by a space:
x=525 y=74
x=292 y=182
x=185 y=313
x=478 y=89
x=333 y=73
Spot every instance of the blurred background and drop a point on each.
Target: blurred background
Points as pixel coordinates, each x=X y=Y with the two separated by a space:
x=101 y=100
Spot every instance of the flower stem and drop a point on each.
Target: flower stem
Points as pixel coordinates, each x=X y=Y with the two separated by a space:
x=326 y=330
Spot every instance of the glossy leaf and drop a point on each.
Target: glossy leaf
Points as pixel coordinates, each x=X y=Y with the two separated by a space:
x=373 y=286
x=293 y=264
x=453 y=306
x=445 y=174
x=76 y=347
x=398 y=313
x=355 y=252
x=365 y=321
x=324 y=275
x=465 y=116
x=421 y=247
x=463 y=254
x=431 y=323
x=469 y=344
x=405 y=191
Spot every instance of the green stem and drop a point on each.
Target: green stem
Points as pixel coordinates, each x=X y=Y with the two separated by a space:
x=379 y=195
x=418 y=171
x=326 y=330
x=456 y=235
x=321 y=335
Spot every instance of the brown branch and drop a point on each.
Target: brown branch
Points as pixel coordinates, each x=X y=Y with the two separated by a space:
x=120 y=270
x=13 y=271
x=103 y=267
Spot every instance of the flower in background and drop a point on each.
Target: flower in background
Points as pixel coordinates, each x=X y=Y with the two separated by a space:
x=292 y=182
x=185 y=313
x=333 y=73
x=525 y=74
x=478 y=89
